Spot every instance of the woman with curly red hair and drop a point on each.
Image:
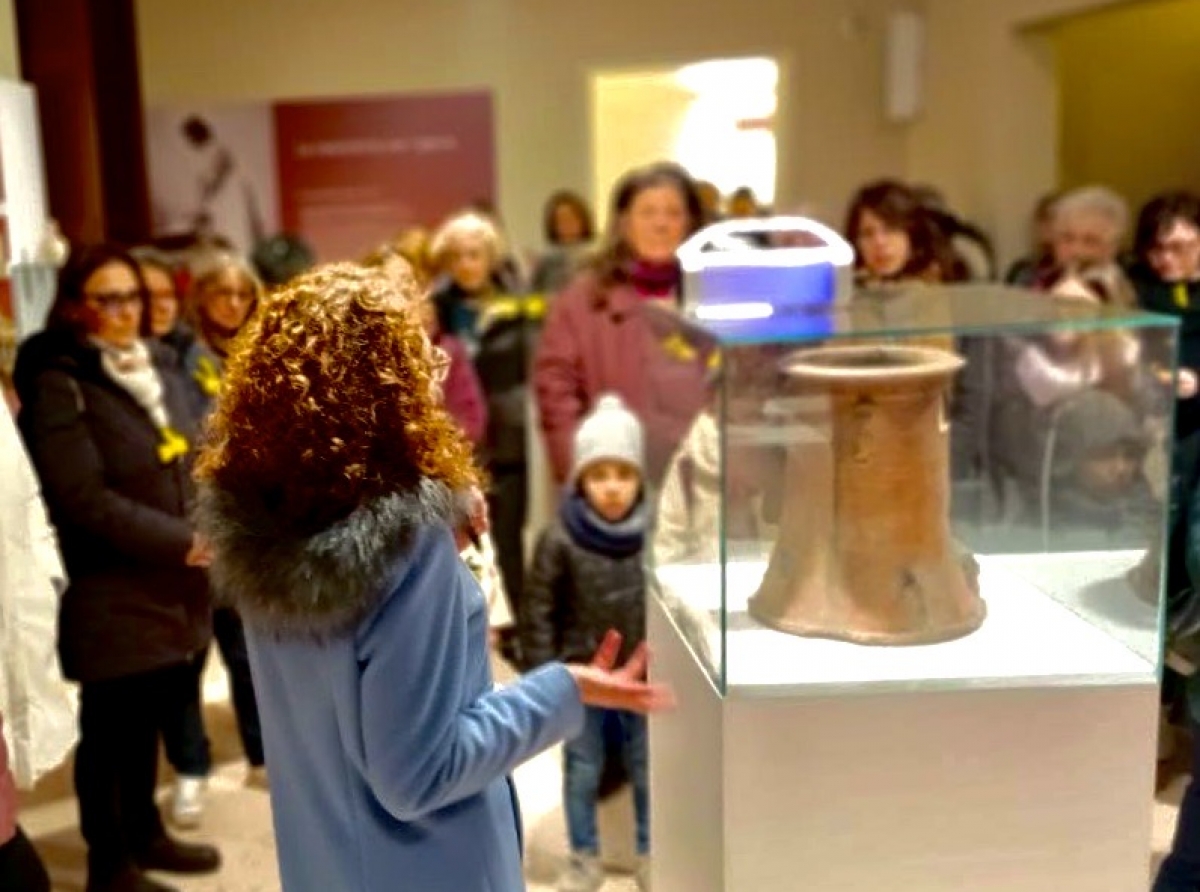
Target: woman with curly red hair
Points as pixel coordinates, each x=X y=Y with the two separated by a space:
x=329 y=490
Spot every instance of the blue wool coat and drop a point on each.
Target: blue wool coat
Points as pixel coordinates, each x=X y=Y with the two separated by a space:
x=389 y=747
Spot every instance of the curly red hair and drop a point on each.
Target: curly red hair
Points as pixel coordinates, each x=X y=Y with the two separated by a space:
x=331 y=398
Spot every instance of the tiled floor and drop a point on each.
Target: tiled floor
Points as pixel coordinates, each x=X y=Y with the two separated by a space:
x=238 y=821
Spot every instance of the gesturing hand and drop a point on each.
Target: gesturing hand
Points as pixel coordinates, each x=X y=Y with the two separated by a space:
x=1188 y=384
x=603 y=684
x=201 y=554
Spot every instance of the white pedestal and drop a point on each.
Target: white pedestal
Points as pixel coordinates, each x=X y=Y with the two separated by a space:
x=1030 y=787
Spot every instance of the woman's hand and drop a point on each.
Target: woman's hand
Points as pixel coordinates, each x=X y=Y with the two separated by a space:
x=476 y=524
x=480 y=521
x=604 y=685
x=1187 y=385
x=201 y=553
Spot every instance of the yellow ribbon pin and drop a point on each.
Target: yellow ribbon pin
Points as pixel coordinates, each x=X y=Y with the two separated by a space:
x=1182 y=300
x=208 y=377
x=173 y=445
x=678 y=347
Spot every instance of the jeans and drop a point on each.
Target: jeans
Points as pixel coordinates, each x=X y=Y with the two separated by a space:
x=184 y=737
x=1180 y=872
x=583 y=767
x=116 y=764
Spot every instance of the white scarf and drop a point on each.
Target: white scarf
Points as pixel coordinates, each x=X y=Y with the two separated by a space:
x=131 y=368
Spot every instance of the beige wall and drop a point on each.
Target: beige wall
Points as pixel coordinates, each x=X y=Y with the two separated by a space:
x=650 y=108
x=9 y=60
x=989 y=133
x=1128 y=81
x=536 y=55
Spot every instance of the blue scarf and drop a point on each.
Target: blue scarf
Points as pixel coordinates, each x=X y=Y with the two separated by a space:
x=592 y=532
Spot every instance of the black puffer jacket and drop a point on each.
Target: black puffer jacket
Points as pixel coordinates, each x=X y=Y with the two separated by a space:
x=500 y=332
x=574 y=596
x=120 y=509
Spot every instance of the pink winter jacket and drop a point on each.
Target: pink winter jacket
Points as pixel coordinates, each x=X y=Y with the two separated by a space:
x=8 y=793
x=611 y=340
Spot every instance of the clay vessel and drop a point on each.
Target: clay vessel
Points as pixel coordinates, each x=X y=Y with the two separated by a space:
x=864 y=552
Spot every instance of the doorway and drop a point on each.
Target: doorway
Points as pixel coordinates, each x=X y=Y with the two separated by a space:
x=714 y=117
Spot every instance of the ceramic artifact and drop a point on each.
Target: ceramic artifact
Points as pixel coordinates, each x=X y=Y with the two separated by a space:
x=864 y=552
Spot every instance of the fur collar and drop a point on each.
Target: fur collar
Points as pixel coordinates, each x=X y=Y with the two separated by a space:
x=315 y=585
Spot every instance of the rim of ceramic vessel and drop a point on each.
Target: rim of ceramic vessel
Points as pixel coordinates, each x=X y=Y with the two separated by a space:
x=872 y=363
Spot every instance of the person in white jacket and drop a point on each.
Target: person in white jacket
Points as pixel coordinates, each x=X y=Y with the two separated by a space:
x=37 y=708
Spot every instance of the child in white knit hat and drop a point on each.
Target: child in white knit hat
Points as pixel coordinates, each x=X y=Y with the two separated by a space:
x=587 y=579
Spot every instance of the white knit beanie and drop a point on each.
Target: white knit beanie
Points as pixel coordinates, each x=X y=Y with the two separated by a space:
x=610 y=431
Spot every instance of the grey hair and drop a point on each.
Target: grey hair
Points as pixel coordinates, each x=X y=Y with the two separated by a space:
x=1099 y=201
x=465 y=227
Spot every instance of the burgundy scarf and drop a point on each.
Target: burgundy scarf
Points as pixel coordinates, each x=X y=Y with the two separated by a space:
x=653 y=281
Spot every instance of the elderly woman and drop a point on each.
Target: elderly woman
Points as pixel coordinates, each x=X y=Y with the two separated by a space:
x=477 y=303
x=110 y=427
x=331 y=490
x=1087 y=230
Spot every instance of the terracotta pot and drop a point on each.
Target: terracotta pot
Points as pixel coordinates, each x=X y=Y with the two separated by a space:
x=864 y=552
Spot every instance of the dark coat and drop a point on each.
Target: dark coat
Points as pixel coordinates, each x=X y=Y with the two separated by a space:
x=120 y=511
x=1181 y=300
x=500 y=333
x=574 y=596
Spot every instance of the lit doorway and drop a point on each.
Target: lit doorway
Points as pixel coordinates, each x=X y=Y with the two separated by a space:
x=716 y=118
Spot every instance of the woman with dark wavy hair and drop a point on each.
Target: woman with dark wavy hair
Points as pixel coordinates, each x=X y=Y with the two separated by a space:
x=110 y=427
x=330 y=490
x=896 y=239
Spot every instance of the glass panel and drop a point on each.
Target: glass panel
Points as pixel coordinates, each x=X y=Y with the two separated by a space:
x=951 y=488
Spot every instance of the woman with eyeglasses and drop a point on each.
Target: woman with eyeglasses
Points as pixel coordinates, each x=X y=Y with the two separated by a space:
x=109 y=424
x=1166 y=275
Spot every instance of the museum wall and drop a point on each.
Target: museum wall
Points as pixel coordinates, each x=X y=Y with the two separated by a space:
x=1128 y=81
x=987 y=133
x=9 y=60
x=537 y=55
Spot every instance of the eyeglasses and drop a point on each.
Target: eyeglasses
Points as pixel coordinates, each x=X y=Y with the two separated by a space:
x=111 y=303
x=440 y=361
x=1175 y=247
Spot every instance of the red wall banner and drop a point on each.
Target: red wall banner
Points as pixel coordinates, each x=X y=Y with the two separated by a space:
x=343 y=174
x=352 y=172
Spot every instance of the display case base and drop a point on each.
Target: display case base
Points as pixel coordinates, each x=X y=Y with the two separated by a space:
x=995 y=790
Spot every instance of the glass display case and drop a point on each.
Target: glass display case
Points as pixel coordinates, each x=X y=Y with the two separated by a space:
x=923 y=488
